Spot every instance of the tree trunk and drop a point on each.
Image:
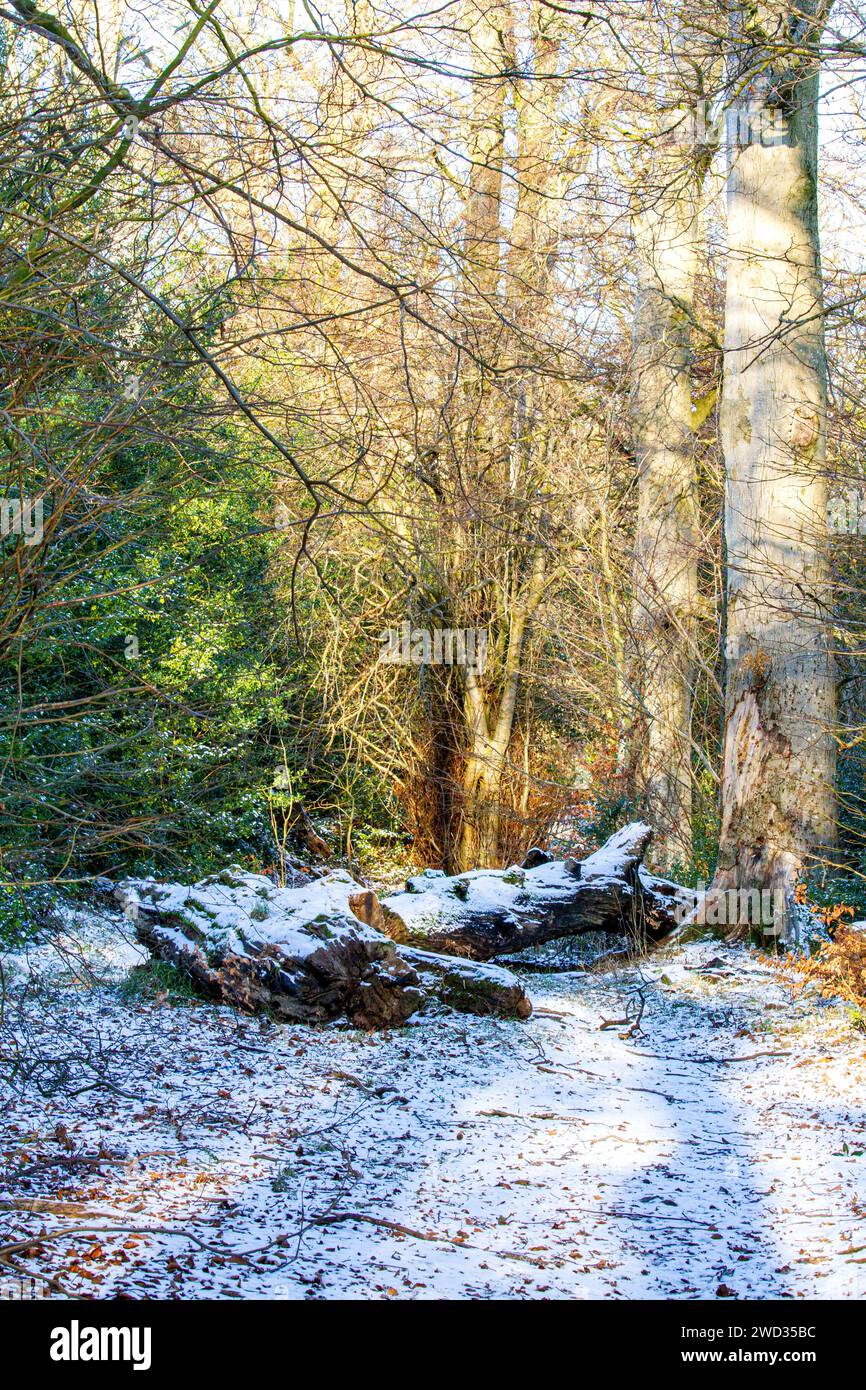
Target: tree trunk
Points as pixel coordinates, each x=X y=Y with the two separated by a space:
x=665 y=228
x=496 y=912
x=479 y=835
x=778 y=809
x=512 y=434
x=485 y=139
x=485 y=764
x=308 y=954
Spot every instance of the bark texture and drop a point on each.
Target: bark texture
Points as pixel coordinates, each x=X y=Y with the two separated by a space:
x=468 y=987
x=497 y=912
x=665 y=229
x=778 y=769
x=306 y=954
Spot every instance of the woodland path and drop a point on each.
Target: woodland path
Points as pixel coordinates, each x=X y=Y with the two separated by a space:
x=719 y=1149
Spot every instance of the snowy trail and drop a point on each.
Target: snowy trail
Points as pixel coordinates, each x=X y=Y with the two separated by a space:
x=719 y=1150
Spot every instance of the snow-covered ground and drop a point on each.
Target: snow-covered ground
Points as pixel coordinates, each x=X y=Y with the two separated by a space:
x=184 y=1150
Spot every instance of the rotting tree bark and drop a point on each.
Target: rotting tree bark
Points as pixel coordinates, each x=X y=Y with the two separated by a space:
x=305 y=954
x=371 y=986
x=778 y=768
x=497 y=912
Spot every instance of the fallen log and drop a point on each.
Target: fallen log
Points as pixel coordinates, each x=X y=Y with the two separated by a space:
x=299 y=954
x=491 y=912
x=308 y=954
x=329 y=948
x=468 y=986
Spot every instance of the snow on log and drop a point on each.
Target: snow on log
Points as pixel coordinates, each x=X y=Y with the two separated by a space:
x=490 y=912
x=309 y=953
x=468 y=986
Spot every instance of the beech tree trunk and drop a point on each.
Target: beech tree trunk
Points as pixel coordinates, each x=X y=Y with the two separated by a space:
x=665 y=230
x=777 y=796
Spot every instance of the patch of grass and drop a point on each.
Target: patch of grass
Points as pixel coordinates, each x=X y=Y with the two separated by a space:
x=284 y=1179
x=157 y=980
